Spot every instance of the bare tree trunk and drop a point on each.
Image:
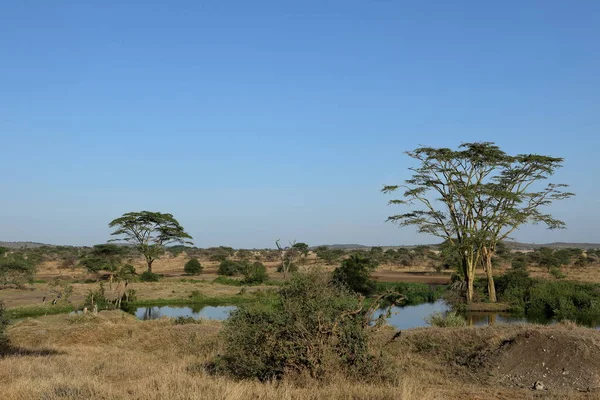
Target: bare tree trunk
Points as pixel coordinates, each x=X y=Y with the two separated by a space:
x=487 y=266
x=470 y=289
x=149 y=261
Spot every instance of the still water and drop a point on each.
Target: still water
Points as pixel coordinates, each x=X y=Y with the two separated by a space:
x=406 y=317
x=201 y=312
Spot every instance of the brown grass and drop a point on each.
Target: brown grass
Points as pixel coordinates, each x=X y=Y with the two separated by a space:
x=115 y=356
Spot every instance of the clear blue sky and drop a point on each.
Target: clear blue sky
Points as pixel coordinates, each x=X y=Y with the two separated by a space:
x=257 y=120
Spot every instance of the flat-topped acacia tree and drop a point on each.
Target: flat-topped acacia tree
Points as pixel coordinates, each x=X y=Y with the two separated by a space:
x=149 y=232
x=475 y=197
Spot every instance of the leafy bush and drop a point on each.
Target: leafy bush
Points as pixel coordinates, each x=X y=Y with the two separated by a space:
x=103 y=257
x=3 y=325
x=16 y=270
x=193 y=267
x=231 y=267
x=557 y=273
x=309 y=328
x=450 y=319
x=148 y=276
x=413 y=292
x=355 y=274
x=564 y=300
x=255 y=273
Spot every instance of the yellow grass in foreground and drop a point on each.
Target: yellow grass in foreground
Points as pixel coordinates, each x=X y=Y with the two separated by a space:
x=114 y=356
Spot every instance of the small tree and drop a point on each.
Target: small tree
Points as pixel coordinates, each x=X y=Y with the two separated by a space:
x=255 y=273
x=149 y=232
x=355 y=273
x=193 y=267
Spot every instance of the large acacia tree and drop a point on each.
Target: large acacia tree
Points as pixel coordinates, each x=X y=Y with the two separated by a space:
x=475 y=197
x=149 y=232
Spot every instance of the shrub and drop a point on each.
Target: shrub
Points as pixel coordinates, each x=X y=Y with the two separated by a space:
x=16 y=270
x=148 y=276
x=3 y=325
x=231 y=267
x=564 y=300
x=309 y=328
x=450 y=319
x=193 y=267
x=255 y=273
x=355 y=274
x=557 y=273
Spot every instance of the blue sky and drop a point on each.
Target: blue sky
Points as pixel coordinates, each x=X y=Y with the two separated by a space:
x=253 y=121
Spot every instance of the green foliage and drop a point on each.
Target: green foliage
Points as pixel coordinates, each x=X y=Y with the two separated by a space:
x=475 y=197
x=232 y=267
x=149 y=232
x=355 y=273
x=219 y=253
x=564 y=300
x=193 y=267
x=413 y=292
x=3 y=324
x=148 y=276
x=557 y=273
x=330 y=256
x=223 y=280
x=3 y=250
x=255 y=274
x=310 y=328
x=447 y=320
x=103 y=257
x=16 y=270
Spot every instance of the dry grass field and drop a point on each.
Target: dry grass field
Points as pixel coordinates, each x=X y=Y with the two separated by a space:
x=114 y=356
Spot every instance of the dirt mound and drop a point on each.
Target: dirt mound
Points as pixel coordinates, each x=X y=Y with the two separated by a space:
x=561 y=359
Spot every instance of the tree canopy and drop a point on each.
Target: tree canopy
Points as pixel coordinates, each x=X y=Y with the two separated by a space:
x=475 y=197
x=149 y=232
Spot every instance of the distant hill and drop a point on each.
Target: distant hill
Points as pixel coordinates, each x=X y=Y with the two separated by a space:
x=554 y=245
x=20 y=245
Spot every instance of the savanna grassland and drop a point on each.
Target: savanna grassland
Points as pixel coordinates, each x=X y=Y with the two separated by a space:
x=112 y=355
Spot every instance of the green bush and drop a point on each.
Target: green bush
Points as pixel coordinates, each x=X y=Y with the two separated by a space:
x=193 y=267
x=310 y=328
x=564 y=300
x=355 y=273
x=231 y=267
x=3 y=325
x=450 y=319
x=557 y=273
x=413 y=292
x=16 y=270
x=148 y=276
x=255 y=273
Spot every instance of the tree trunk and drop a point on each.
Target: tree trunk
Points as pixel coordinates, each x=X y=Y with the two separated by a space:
x=487 y=266
x=149 y=261
x=470 y=289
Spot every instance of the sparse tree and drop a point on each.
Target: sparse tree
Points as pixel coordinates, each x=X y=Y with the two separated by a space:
x=475 y=197
x=149 y=232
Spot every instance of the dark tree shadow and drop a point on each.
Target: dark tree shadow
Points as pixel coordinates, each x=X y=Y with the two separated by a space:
x=12 y=351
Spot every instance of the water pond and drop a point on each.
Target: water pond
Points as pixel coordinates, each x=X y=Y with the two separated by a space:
x=405 y=317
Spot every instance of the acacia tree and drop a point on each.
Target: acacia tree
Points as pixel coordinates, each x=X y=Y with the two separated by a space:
x=475 y=197
x=149 y=232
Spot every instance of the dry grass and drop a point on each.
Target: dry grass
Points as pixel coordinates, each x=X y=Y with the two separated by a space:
x=115 y=356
